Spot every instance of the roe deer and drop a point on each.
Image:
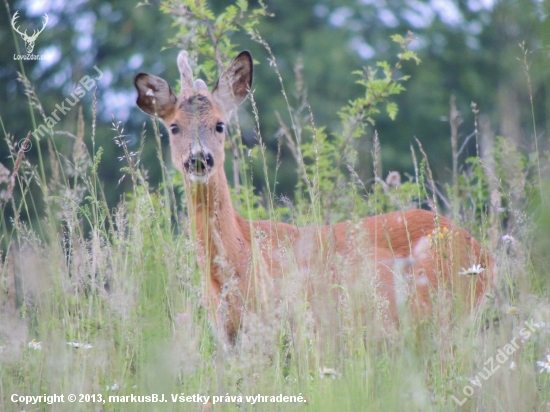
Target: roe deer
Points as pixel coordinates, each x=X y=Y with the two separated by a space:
x=242 y=261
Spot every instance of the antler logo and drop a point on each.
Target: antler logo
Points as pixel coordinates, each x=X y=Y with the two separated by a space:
x=29 y=40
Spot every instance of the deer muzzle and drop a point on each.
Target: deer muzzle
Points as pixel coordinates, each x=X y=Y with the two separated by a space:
x=199 y=164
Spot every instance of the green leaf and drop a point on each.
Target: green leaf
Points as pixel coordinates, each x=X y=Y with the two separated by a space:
x=398 y=38
x=391 y=109
x=409 y=55
x=243 y=5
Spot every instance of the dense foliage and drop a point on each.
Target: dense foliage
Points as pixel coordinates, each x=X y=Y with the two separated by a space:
x=351 y=115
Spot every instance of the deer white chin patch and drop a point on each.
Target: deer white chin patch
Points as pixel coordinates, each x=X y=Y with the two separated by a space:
x=199 y=179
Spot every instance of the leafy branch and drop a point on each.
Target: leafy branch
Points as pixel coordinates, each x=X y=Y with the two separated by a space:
x=207 y=36
x=327 y=155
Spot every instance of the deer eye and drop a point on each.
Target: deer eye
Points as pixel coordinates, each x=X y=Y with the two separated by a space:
x=220 y=127
x=174 y=129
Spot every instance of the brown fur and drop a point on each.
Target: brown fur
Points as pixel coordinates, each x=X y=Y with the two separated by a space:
x=241 y=259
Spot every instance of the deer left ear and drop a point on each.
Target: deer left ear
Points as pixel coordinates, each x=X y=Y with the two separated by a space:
x=233 y=86
x=155 y=97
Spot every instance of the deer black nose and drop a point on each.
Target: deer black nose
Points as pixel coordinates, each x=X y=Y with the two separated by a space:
x=199 y=162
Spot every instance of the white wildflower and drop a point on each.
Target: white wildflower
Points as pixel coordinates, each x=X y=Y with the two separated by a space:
x=472 y=271
x=113 y=387
x=80 y=345
x=329 y=373
x=35 y=345
x=544 y=365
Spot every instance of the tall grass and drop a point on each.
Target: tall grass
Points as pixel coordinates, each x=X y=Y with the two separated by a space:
x=114 y=297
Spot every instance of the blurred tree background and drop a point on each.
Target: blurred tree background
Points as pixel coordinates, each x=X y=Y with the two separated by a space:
x=469 y=49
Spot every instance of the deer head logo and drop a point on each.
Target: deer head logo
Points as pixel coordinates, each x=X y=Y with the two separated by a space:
x=29 y=40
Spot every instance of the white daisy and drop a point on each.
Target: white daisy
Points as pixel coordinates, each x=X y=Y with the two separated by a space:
x=80 y=345
x=35 y=345
x=472 y=271
x=544 y=365
x=329 y=373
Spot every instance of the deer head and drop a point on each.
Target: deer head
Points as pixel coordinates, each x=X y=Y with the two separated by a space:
x=197 y=118
x=29 y=40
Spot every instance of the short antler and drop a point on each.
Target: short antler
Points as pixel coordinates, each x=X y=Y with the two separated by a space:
x=185 y=71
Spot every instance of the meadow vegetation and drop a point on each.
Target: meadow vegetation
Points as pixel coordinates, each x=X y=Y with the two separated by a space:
x=100 y=300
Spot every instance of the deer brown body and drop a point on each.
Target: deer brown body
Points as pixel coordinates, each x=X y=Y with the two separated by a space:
x=242 y=260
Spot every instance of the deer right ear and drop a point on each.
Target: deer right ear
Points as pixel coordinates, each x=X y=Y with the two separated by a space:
x=234 y=84
x=155 y=97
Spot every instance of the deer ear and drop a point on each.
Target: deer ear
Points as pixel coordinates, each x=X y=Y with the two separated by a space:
x=155 y=96
x=232 y=87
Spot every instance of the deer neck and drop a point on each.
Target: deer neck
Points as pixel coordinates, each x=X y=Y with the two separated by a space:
x=223 y=236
